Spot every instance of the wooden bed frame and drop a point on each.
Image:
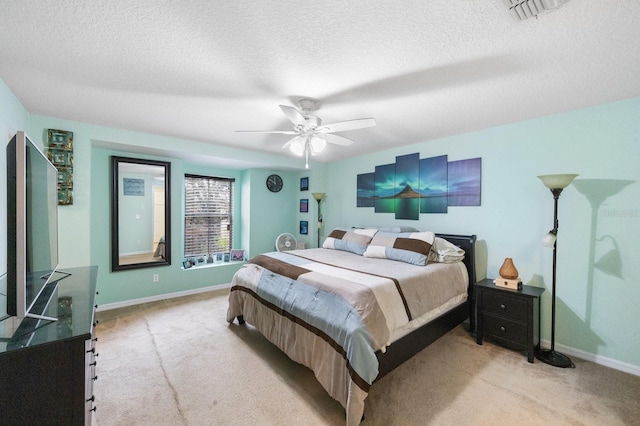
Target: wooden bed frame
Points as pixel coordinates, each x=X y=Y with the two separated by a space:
x=406 y=347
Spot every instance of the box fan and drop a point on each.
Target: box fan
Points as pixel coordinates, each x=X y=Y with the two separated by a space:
x=286 y=242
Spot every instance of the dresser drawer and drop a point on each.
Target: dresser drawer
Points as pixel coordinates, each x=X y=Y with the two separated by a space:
x=512 y=332
x=504 y=305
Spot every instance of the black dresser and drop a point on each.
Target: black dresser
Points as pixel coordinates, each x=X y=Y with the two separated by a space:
x=510 y=318
x=47 y=368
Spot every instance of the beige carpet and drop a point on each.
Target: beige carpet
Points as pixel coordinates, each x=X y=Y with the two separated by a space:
x=178 y=362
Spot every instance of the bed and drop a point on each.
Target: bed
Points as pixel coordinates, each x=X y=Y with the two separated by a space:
x=357 y=308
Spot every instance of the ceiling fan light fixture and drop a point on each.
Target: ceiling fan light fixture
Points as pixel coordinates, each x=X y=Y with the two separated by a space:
x=297 y=145
x=317 y=144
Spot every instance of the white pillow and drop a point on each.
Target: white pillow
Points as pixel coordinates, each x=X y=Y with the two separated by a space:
x=408 y=247
x=442 y=251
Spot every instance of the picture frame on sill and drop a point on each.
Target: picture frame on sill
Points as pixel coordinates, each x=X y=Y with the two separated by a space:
x=304 y=205
x=304 y=184
x=237 y=255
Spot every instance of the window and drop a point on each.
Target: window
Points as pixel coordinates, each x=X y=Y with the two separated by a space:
x=208 y=218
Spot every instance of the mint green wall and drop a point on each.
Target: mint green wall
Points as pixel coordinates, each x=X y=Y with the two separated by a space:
x=129 y=285
x=270 y=214
x=596 y=299
x=85 y=226
x=596 y=304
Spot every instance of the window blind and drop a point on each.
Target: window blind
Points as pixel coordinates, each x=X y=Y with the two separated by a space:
x=208 y=217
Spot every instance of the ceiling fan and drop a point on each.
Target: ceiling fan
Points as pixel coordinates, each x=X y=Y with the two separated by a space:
x=311 y=136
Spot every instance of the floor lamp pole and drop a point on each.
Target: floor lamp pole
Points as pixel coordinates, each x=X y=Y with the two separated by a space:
x=551 y=356
x=319 y=196
x=556 y=195
x=319 y=222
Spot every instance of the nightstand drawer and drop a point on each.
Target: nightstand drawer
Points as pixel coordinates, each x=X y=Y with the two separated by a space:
x=504 y=305
x=511 y=331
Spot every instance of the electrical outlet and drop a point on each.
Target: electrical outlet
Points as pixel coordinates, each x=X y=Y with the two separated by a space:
x=156 y=278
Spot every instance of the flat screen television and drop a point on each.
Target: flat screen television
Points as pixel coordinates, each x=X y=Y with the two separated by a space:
x=32 y=226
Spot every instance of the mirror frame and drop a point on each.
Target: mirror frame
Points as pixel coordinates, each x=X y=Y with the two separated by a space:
x=115 y=226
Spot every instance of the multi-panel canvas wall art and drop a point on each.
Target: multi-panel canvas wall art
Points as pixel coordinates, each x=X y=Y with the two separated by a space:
x=412 y=185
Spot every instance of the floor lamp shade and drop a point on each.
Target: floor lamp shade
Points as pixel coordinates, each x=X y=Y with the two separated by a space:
x=556 y=183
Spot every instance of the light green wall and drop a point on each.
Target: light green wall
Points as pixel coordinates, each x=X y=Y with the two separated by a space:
x=85 y=226
x=270 y=214
x=596 y=303
x=596 y=307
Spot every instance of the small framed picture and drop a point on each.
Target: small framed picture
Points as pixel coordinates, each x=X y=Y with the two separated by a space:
x=219 y=257
x=304 y=227
x=227 y=256
x=237 y=255
x=304 y=184
x=304 y=205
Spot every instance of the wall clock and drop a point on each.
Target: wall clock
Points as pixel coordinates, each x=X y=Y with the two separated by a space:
x=274 y=183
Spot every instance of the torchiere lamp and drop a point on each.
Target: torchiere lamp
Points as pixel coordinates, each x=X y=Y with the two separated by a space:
x=319 y=196
x=556 y=183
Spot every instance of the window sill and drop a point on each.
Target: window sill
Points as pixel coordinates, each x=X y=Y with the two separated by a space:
x=212 y=265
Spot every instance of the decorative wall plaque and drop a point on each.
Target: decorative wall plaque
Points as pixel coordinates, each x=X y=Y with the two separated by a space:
x=60 y=154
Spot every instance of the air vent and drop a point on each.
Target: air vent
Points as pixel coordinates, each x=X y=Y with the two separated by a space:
x=525 y=9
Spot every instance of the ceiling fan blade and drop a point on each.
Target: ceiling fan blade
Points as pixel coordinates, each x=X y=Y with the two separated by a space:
x=293 y=115
x=280 y=132
x=337 y=140
x=343 y=126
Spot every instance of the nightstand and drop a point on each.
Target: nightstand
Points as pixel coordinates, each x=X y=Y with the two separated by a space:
x=510 y=318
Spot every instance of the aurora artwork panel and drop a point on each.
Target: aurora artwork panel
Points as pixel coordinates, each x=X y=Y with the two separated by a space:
x=385 y=184
x=407 y=177
x=366 y=190
x=434 y=184
x=464 y=182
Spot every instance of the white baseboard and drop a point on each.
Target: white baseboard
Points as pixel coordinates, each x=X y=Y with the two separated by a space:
x=598 y=359
x=159 y=297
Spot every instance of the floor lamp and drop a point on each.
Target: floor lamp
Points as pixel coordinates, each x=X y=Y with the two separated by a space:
x=556 y=183
x=319 y=196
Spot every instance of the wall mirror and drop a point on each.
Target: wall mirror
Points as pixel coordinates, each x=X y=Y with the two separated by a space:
x=140 y=213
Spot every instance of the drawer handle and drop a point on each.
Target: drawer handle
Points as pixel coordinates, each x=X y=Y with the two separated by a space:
x=502 y=328
x=93 y=409
x=93 y=398
x=94 y=363
x=502 y=306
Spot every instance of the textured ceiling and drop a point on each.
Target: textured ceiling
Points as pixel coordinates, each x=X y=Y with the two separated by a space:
x=201 y=69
